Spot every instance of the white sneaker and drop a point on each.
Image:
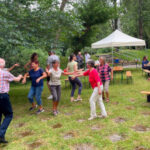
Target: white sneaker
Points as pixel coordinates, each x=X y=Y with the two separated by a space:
x=78 y=100
x=93 y=117
x=50 y=97
x=102 y=116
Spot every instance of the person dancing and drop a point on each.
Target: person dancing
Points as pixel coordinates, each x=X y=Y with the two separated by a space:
x=5 y=105
x=36 y=75
x=73 y=67
x=55 y=84
x=34 y=57
x=52 y=56
x=97 y=86
x=104 y=71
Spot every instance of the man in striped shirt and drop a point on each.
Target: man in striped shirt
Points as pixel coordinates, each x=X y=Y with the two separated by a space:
x=5 y=105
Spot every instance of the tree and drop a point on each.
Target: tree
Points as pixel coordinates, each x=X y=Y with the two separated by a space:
x=92 y=13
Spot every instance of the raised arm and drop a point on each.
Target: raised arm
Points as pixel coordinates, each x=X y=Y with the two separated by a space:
x=26 y=66
x=11 y=68
x=17 y=79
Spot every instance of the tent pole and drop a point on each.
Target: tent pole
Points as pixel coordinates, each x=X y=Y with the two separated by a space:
x=112 y=58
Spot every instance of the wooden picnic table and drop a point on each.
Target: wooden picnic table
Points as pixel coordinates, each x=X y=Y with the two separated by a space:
x=116 y=70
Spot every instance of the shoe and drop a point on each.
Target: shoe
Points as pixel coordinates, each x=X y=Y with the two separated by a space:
x=93 y=117
x=102 y=116
x=50 y=97
x=32 y=108
x=80 y=99
x=40 y=111
x=55 y=113
x=2 y=140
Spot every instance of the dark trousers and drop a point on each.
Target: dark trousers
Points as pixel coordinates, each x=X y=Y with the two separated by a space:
x=73 y=83
x=146 y=67
x=6 y=110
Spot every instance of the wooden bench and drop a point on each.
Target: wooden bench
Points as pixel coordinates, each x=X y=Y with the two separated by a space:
x=146 y=71
x=148 y=95
x=129 y=76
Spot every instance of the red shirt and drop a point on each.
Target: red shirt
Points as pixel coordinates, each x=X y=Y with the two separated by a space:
x=93 y=77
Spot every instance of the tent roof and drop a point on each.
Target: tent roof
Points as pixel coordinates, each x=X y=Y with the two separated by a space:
x=118 y=39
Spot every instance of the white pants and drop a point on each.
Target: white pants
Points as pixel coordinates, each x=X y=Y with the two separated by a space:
x=93 y=99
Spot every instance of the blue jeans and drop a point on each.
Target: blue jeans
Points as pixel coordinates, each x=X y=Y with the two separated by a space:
x=6 y=110
x=73 y=83
x=35 y=92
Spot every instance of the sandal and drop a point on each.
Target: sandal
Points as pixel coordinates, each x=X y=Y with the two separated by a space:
x=78 y=99
x=107 y=100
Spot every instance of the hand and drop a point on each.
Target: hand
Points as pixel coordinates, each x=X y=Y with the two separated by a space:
x=16 y=65
x=38 y=80
x=99 y=91
x=112 y=77
x=20 y=76
x=23 y=81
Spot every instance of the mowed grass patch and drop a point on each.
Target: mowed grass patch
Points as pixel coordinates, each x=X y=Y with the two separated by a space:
x=128 y=120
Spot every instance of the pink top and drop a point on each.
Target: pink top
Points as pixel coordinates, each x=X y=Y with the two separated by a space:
x=5 y=78
x=93 y=77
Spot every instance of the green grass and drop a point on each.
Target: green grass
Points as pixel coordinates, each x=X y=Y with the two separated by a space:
x=129 y=55
x=29 y=131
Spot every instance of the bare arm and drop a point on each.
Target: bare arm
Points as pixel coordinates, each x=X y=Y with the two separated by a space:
x=42 y=77
x=112 y=74
x=24 y=78
x=17 y=79
x=11 y=68
x=26 y=66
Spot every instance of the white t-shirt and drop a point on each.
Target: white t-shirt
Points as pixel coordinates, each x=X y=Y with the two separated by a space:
x=87 y=57
x=55 y=76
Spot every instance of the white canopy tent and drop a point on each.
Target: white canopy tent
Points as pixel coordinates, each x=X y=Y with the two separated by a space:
x=118 y=39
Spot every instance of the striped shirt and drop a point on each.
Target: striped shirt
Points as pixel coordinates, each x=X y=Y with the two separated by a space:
x=104 y=72
x=5 y=78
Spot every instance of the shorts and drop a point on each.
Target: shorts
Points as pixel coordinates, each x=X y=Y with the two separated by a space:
x=106 y=86
x=56 y=92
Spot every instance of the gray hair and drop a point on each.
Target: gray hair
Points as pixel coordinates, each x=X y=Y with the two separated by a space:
x=91 y=63
x=103 y=58
x=2 y=63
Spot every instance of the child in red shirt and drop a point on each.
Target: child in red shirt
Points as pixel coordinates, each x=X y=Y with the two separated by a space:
x=97 y=90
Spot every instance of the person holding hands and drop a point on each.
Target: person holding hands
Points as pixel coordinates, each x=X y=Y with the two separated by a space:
x=97 y=86
x=36 y=75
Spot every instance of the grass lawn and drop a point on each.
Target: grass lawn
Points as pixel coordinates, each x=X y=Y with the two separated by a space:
x=126 y=128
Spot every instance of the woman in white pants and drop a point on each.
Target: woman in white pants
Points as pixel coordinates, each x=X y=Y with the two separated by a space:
x=97 y=86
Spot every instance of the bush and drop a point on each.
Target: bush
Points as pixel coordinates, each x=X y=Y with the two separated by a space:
x=23 y=56
x=69 y=51
x=63 y=62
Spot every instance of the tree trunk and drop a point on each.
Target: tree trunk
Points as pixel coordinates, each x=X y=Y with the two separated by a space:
x=116 y=16
x=62 y=7
x=140 y=20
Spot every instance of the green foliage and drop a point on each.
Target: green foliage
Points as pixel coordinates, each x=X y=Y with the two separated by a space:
x=22 y=56
x=92 y=13
x=63 y=62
